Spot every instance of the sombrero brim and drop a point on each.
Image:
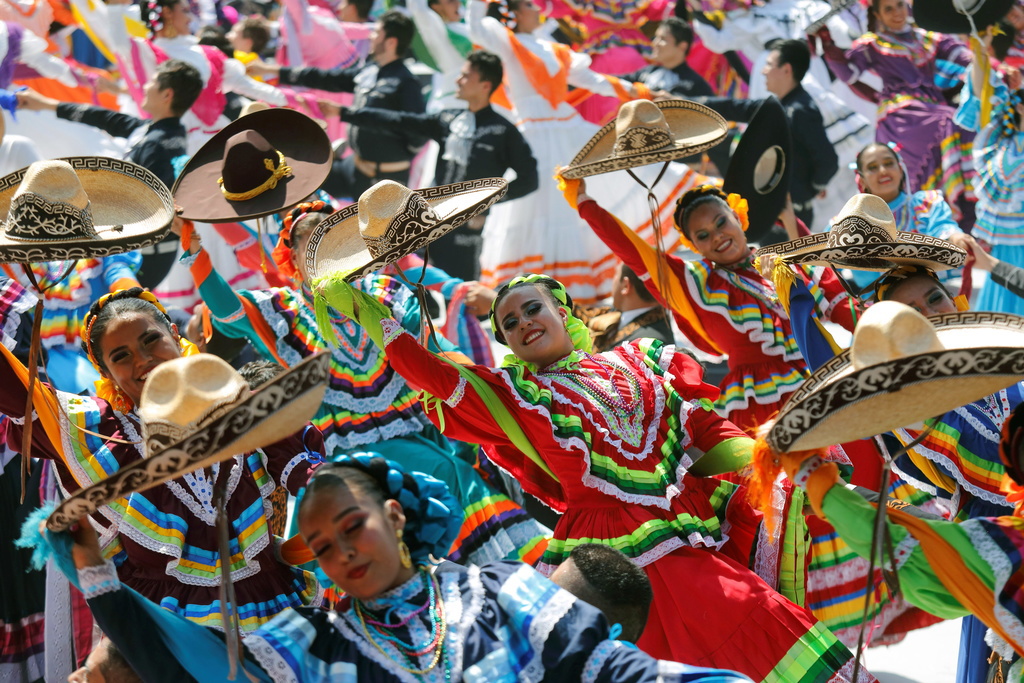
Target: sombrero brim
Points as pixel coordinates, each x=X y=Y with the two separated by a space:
x=336 y=245
x=131 y=209
x=694 y=128
x=913 y=248
x=305 y=146
x=838 y=403
x=768 y=128
x=270 y=413
x=942 y=16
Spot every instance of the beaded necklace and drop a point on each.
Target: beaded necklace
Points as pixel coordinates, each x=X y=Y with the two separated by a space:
x=379 y=627
x=757 y=290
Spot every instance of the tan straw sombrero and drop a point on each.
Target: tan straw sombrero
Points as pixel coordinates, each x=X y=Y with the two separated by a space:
x=646 y=132
x=864 y=237
x=198 y=410
x=902 y=369
x=81 y=207
x=391 y=221
x=262 y=163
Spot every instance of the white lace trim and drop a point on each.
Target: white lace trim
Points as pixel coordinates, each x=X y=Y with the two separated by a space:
x=920 y=485
x=415 y=424
x=98 y=580
x=829 y=577
x=349 y=632
x=269 y=659
x=983 y=431
x=200 y=502
x=392 y=330
x=451 y=593
x=596 y=660
x=540 y=628
x=845 y=674
x=950 y=470
x=286 y=471
x=21 y=420
x=1002 y=569
x=457 y=395
x=1000 y=646
x=766 y=558
x=13 y=322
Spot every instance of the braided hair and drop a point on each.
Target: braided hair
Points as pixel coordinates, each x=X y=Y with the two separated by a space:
x=433 y=516
x=152 y=13
x=296 y=223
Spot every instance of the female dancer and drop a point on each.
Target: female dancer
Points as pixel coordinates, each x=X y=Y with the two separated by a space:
x=374 y=528
x=915 y=67
x=611 y=439
x=881 y=172
x=538 y=232
x=998 y=153
x=367 y=403
x=721 y=302
x=164 y=540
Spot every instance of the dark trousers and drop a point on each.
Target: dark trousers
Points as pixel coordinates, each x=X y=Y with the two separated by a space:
x=345 y=180
x=458 y=253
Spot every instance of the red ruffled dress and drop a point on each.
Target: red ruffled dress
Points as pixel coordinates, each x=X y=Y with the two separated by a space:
x=614 y=437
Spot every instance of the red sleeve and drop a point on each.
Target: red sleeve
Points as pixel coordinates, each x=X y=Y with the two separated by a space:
x=708 y=429
x=842 y=312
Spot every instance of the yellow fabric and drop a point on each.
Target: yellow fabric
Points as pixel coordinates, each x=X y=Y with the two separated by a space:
x=932 y=472
x=45 y=401
x=987 y=89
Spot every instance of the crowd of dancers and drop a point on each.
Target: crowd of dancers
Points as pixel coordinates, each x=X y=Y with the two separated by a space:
x=757 y=268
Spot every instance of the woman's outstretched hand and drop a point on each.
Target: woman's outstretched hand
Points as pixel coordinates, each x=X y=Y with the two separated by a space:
x=86 y=551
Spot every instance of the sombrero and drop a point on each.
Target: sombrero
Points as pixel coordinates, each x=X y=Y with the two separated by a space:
x=901 y=369
x=864 y=237
x=262 y=163
x=390 y=221
x=951 y=16
x=196 y=411
x=760 y=167
x=81 y=207
x=646 y=132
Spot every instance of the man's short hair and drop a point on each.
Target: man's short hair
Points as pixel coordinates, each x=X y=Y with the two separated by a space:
x=257 y=30
x=795 y=53
x=400 y=27
x=681 y=31
x=638 y=285
x=488 y=65
x=184 y=80
x=258 y=372
x=363 y=8
x=623 y=587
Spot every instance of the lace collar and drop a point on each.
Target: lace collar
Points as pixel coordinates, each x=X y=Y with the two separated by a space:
x=398 y=597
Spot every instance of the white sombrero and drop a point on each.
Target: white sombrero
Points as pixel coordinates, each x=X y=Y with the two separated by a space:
x=864 y=237
x=391 y=221
x=646 y=132
x=198 y=410
x=901 y=369
x=81 y=207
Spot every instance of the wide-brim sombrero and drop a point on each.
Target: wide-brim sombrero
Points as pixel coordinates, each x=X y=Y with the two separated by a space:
x=130 y=209
x=270 y=413
x=950 y=16
x=302 y=141
x=692 y=128
x=983 y=353
x=760 y=168
x=910 y=248
x=336 y=245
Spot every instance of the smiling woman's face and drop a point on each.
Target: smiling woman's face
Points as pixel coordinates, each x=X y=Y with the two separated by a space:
x=880 y=172
x=717 y=234
x=534 y=326
x=354 y=538
x=132 y=344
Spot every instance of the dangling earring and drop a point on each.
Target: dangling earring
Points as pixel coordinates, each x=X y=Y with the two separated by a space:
x=403 y=552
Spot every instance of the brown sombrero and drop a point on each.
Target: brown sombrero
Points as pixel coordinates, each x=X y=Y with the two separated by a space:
x=901 y=369
x=391 y=221
x=262 y=163
x=864 y=237
x=81 y=207
x=646 y=132
x=197 y=411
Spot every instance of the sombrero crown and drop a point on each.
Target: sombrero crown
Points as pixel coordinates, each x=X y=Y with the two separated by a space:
x=864 y=237
x=390 y=221
x=646 y=132
x=81 y=207
x=901 y=369
x=196 y=411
